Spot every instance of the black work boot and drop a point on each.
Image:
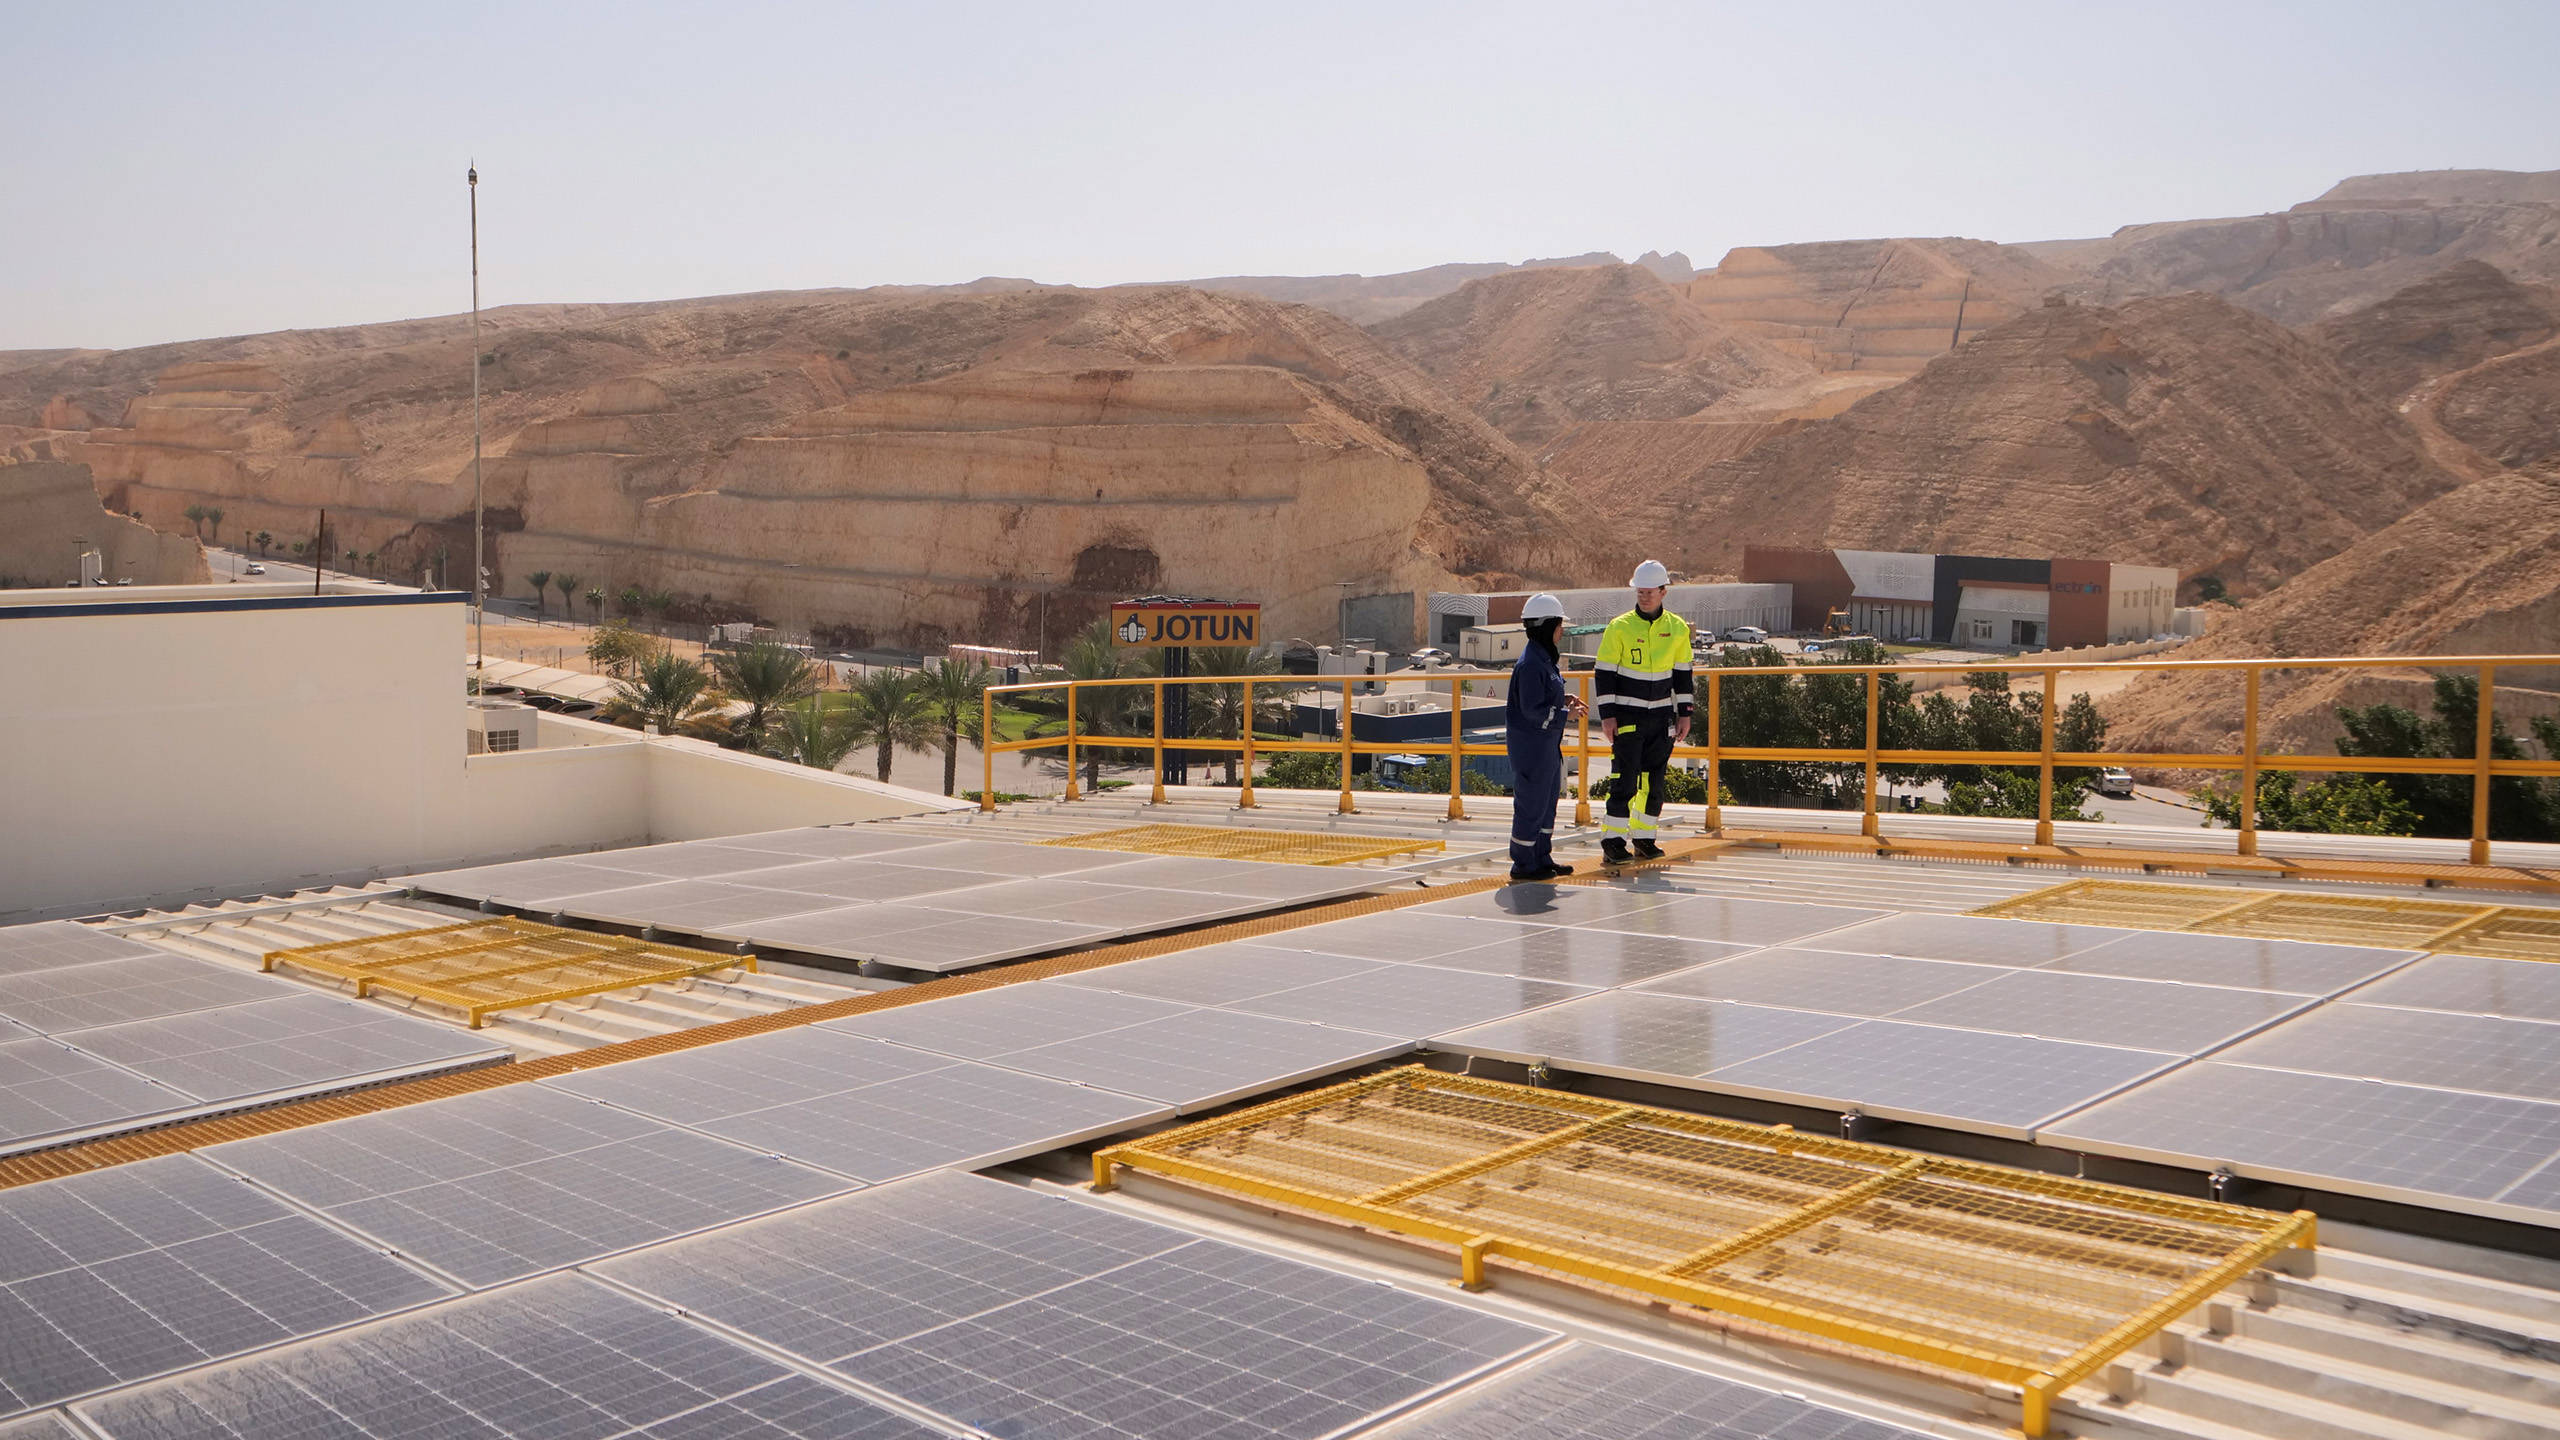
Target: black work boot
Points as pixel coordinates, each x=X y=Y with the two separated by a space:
x=1558 y=867
x=1647 y=850
x=1613 y=851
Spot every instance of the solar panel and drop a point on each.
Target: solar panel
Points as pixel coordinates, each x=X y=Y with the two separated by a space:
x=294 y=1043
x=1007 y=1018
x=797 y=1066
x=59 y=942
x=557 y=1358
x=2406 y=1142
x=1009 y=859
x=1979 y=938
x=1598 y=958
x=695 y=907
x=917 y=937
x=1142 y=910
x=1544 y=904
x=2473 y=984
x=565 y=882
x=1401 y=935
x=1634 y=1035
x=965 y=1114
x=120 y=1274
x=1412 y=1002
x=2486 y=1053
x=48 y=1426
x=1591 y=1393
x=429 y=1144
x=1837 y=984
x=1251 y=879
x=1220 y=974
x=838 y=840
x=2104 y=1010
x=110 y=992
x=1206 y=1340
x=1735 y=922
x=1967 y=1079
x=1205 y=1057
x=697 y=859
x=498 y=1223
x=864 y=880
x=833 y=1279
x=2287 y=965
x=1027 y=897
x=49 y=1089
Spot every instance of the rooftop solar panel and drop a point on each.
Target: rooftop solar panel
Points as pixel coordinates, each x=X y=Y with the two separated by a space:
x=503 y=1223
x=1012 y=860
x=1591 y=1393
x=420 y=1145
x=1736 y=922
x=1201 y=1058
x=1634 y=1035
x=59 y=942
x=801 y=1065
x=117 y=1275
x=2473 y=984
x=2105 y=1010
x=1544 y=904
x=1006 y=1018
x=838 y=840
x=1966 y=1079
x=869 y=881
x=110 y=992
x=295 y=1043
x=2291 y=966
x=698 y=859
x=965 y=1114
x=48 y=1426
x=1027 y=897
x=1412 y=1002
x=2486 y=1053
x=2405 y=1142
x=1401 y=935
x=565 y=880
x=48 y=1089
x=973 y=940
x=1837 y=984
x=1596 y=958
x=564 y=1357
x=1981 y=939
x=1250 y=879
x=695 y=907
x=1142 y=910
x=1220 y=974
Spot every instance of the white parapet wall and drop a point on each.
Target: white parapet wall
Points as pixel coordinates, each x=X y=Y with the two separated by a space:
x=180 y=742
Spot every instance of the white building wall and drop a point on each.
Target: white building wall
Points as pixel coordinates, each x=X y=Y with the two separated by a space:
x=2142 y=601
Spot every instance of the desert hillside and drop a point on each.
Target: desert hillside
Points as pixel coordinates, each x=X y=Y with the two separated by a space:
x=1077 y=445
x=1367 y=299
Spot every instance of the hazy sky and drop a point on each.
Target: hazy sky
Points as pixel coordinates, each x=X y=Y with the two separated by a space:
x=176 y=171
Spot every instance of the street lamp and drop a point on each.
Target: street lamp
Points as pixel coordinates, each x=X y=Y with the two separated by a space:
x=479 y=514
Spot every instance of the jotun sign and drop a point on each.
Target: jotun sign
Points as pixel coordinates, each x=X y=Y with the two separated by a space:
x=1157 y=624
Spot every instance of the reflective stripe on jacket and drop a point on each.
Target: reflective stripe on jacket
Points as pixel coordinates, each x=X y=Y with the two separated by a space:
x=1643 y=671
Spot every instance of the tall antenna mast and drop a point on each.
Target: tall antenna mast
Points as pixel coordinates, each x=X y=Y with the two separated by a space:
x=479 y=520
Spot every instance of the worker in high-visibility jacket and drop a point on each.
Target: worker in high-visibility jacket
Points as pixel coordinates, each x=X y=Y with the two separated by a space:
x=1643 y=690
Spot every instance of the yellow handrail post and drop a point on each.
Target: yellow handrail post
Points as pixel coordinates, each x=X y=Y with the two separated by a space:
x=1343 y=806
x=1867 y=821
x=2480 y=744
x=1582 y=787
x=1072 y=792
x=987 y=749
x=1457 y=747
x=1158 y=797
x=1715 y=753
x=1245 y=801
x=2044 y=766
x=2249 y=763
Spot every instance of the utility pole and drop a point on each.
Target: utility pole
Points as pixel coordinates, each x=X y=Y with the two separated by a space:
x=479 y=520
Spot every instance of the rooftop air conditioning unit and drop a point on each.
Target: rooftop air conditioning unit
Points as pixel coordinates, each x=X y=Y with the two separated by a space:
x=501 y=726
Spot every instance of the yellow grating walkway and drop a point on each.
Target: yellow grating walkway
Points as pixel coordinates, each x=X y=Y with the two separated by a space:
x=2508 y=932
x=1219 y=842
x=482 y=966
x=2030 y=1279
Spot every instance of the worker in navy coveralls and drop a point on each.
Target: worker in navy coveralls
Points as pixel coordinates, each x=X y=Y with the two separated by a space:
x=1533 y=721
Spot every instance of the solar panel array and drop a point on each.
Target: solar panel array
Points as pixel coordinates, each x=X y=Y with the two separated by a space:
x=1588 y=1393
x=916 y=900
x=99 y=1033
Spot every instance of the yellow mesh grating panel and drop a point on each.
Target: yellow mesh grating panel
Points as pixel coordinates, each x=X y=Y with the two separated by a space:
x=1219 y=842
x=2035 y=1280
x=484 y=966
x=2512 y=932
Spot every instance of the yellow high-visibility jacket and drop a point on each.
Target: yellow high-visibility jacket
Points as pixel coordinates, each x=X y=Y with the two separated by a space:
x=1643 y=674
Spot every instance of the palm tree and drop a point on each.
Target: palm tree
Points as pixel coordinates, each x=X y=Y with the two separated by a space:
x=355 y=557
x=889 y=712
x=214 y=514
x=658 y=603
x=812 y=733
x=195 y=518
x=368 y=561
x=766 y=676
x=1094 y=655
x=264 y=540
x=956 y=690
x=299 y=546
x=568 y=587
x=541 y=582
x=630 y=600
x=1217 y=711
x=664 y=690
x=595 y=604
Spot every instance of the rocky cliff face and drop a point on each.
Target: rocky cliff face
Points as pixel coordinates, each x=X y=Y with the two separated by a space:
x=906 y=467
x=2182 y=431
x=2466 y=313
x=46 y=505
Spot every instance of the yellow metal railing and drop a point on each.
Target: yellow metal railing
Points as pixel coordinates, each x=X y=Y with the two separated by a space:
x=480 y=967
x=2247 y=762
x=2032 y=1280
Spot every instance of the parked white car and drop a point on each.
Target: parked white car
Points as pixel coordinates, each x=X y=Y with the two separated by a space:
x=1747 y=635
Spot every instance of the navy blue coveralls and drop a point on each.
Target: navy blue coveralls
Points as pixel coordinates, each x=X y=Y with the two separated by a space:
x=1533 y=719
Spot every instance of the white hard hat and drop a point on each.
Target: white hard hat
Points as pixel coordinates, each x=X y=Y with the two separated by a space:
x=1542 y=606
x=1650 y=575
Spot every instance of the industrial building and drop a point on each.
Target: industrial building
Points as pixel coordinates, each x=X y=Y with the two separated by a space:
x=1974 y=602
x=1718 y=607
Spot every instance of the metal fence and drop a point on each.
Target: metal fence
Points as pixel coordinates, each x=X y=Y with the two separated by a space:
x=1707 y=743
